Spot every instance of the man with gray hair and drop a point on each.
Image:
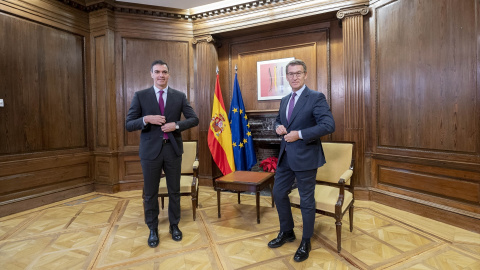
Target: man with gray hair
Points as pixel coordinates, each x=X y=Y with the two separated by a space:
x=303 y=118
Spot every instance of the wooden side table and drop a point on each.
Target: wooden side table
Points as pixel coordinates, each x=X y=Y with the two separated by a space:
x=240 y=181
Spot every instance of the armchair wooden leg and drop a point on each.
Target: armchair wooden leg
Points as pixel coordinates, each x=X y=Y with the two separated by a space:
x=194 y=208
x=218 y=203
x=339 y=235
x=194 y=194
x=196 y=201
x=350 y=216
x=238 y=197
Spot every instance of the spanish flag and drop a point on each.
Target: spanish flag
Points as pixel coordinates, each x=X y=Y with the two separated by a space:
x=220 y=134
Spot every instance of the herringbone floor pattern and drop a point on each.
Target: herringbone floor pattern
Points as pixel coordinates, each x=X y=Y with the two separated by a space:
x=106 y=231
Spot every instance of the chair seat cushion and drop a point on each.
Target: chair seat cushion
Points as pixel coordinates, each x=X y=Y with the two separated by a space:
x=185 y=184
x=325 y=198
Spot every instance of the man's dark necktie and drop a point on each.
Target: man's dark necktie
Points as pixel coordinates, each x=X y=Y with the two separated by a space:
x=161 y=104
x=290 y=106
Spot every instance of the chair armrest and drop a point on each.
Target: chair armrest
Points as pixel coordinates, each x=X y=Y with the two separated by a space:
x=345 y=177
x=196 y=164
x=194 y=183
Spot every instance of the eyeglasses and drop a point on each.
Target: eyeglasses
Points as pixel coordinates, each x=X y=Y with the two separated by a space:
x=296 y=74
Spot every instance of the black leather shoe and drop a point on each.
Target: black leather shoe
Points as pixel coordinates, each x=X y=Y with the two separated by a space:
x=153 y=238
x=175 y=232
x=281 y=239
x=302 y=251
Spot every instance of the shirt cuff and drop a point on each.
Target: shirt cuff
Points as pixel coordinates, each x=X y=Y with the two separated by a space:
x=300 y=134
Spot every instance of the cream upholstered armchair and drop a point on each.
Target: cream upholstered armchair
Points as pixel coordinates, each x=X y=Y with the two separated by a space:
x=189 y=178
x=334 y=189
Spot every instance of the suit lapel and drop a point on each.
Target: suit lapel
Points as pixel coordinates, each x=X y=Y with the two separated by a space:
x=170 y=101
x=283 y=110
x=302 y=100
x=153 y=100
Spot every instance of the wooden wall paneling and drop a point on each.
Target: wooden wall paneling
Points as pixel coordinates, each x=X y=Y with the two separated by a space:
x=226 y=73
x=45 y=134
x=145 y=26
x=206 y=60
x=24 y=167
x=43 y=198
x=432 y=211
x=27 y=183
x=425 y=138
x=427 y=75
x=352 y=30
x=46 y=111
x=444 y=182
x=307 y=43
x=477 y=68
x=130 y=170
x=337 y=101
x=101 y=93
x=132 y=167
x=369 y=108
x=45 y=180
x=104 y=101
x=48 y=12
x=106 y=172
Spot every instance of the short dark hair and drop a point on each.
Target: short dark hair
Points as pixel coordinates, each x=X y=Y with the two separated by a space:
x=296 y=62
x=158 y=62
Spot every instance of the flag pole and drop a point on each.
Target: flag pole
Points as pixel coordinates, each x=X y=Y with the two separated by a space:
x=233 y=88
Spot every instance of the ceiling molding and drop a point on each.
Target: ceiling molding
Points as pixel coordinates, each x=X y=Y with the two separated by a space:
x=281 y=12
x=199 y=14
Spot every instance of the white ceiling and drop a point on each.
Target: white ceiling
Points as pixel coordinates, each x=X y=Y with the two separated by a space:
x=187 y=4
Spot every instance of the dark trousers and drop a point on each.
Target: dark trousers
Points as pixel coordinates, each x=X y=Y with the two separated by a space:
x=284 y=178
x=171 y=164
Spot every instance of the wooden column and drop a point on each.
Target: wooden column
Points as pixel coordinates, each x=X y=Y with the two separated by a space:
x=206 y=61
x=104 y=103
x=353 y=63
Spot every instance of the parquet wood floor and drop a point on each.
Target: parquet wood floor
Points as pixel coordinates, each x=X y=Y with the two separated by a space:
x=107 y=231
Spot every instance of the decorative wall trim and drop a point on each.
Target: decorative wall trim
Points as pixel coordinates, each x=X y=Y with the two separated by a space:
x=199 y=13
x=427 y=203
x=352 y=12
x=207 y=39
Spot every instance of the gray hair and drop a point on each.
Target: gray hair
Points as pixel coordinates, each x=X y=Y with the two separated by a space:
x=296 y=62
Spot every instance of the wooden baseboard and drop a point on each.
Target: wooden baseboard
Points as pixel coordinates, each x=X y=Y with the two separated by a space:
x=23 y=204
x=362 y=194
x=106 y=188
x=131 y=186
x=453 y=216
x=126 y=186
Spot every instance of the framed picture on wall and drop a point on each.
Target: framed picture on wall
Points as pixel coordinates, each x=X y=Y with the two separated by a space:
x=272 y=80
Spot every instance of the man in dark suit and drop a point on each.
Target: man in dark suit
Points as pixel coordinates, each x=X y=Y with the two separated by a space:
x=304 y=117
x=156 y=111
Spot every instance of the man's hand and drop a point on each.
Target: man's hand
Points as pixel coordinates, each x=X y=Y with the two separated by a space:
x=281 y=130
x=292 y=136
x=154 y=119
x=169 y=127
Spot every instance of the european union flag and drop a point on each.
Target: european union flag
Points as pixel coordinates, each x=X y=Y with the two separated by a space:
x=243 y=151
